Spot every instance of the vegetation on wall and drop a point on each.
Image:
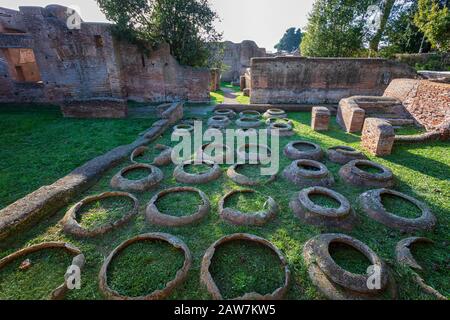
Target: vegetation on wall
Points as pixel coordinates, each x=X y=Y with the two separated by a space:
x=186 y=25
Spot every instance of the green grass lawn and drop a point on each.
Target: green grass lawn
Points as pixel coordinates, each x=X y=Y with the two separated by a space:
x=38 y=146
x=422 y=171
x=217 y=97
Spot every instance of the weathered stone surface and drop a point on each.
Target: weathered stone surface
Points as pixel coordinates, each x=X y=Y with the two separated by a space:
x=428 y=102
x=372 y=204
x=320 y=119
x=353 y=111
x=95 y=108
x=378 y=137
x=284 y=80
x=237 y=58
x=208 y=281
x=215 y=80
x=89 y=63
x=158 y=294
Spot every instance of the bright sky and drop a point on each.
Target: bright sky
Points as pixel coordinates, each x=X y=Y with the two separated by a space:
x=263 y=21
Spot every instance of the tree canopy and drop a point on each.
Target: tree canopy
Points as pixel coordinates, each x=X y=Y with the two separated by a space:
x=186 y=25
x=290 y=41
x=433 y=19
x=376 y=27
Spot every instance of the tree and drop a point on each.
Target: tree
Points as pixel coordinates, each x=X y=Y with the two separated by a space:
x=401 y=34
x=335 y=28
x=433 y=19
x=291 y=40
x=186 y=25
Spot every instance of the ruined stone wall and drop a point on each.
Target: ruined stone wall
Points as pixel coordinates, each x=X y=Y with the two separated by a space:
x=89 y=63
x=296 y=80
x=428 y=102
x=237 y=58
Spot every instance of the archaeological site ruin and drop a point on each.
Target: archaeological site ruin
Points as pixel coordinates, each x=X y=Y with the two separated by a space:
x=117 y=163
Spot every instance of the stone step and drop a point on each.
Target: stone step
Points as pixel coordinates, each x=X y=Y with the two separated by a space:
x=400 y=122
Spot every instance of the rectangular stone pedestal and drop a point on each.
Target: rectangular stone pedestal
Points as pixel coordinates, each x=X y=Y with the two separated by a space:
x=320 y=118
x=378 y=137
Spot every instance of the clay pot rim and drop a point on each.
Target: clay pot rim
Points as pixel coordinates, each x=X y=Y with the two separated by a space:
x=294 y=153
x=157 y=294
x=337 y=213
x=72 y=226
x=385 y=173
x=281 y=126
x=138 y=152
x=120 y=182
x=243 y=155
x=212 y=174
x=345 y=150
x=372 y=200
x=183 y=128
x=355 y=282
x=250 y=114
x=272 y=120
x=207 y=279
x=244 y=180
x=78 y=260
x=157 y=217
x=276 y=111
x=224 y=112
x=323 y=170
x=249 y=218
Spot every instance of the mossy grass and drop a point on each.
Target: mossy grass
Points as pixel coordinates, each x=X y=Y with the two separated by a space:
x=99 y=213
x=241 y=267
x=246 y=202
x=36 y=283
x=349 y=258
x=179 y=203
x=144 y=267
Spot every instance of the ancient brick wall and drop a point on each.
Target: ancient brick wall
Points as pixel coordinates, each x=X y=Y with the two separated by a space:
x=89 y=63
x=296 y=80
x=428 y=102
x=237 y=58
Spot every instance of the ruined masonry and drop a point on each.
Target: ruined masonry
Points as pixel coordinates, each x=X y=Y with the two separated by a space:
x=42 y=60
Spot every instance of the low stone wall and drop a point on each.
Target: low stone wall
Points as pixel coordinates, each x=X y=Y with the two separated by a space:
x=296 y=80
x=49 y=199
x=428 y=102
x=265 y=107
x=95 y=108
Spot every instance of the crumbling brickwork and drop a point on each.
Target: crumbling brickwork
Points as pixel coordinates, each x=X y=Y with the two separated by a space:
x=428 y=102
x=87 y=63
x=378 y=137
x=296 y=80
x=320 y=118
x=237 y=58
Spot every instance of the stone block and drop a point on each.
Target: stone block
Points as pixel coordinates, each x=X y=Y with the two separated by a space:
x=320 y=118
x=378 y=137
x=95 y=108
